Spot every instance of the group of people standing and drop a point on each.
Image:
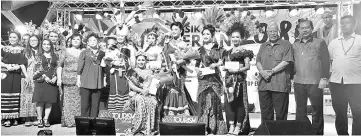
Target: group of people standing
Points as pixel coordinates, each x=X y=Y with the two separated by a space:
x=39 y=72
x=313 y=64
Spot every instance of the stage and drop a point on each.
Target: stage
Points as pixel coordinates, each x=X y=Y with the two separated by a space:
x=58 y=130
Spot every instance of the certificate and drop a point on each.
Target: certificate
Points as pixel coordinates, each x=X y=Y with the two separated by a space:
x=153 y=86
x=207 y=71
x=155 y=64
x=231 y=65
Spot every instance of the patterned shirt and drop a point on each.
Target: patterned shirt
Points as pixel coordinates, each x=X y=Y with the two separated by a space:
x=270 y=56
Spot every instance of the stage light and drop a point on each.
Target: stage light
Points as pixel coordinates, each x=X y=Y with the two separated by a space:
x=269 y=12
x=155 y=15
x=76 y=26
x=79 y=16
x=293 y=11
x=106 y=14
x=199 y=15
x=98 y=16
x=21 y=29
x=244 y=13
x=320 y=10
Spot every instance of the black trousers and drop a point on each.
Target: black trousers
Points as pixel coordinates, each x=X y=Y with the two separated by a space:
x=271 y=101
x=304 y=91
x=104 y=96
x=235 y=110
x=89 y=102
x=343 y=95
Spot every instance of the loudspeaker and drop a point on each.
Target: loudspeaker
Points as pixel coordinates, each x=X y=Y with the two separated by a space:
x=285 y=127
x=94 y=126
x=182 y=128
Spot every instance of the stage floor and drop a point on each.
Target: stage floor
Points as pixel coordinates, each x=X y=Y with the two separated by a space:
x=58 y=130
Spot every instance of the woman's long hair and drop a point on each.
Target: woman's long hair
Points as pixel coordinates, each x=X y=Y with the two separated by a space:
x=41 y=51
x=69 y=41
x=28 y=51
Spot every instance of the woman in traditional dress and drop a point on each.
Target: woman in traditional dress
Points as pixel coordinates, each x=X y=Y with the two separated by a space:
x=236 y=100
x=46 y=91
x=210 y=87
x=67 y=72
x=176 y=99
x=151 y=46
x=27 y=107
x=118 y=63
x=123 y=42
x=13 y=63
x=144 y=104
x=90 y=77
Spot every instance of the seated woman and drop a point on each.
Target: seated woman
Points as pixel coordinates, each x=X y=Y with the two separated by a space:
x=143 y=103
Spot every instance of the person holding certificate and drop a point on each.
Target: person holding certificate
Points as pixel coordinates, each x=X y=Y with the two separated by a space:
x=236 y=65
x=144 y=102
x=210 y=84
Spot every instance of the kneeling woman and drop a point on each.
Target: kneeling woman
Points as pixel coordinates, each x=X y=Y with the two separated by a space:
x=46 y=90
x=142 y=103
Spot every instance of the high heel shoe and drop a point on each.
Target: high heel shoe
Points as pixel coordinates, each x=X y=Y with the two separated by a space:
x=231 y=130
x=237 y=129
x=46 y=123
x=40 y=123
x=15 y=123
x=7 y=123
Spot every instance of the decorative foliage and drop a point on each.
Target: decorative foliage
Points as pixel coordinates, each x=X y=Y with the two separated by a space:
x=213 y=16
x=249 y=21
x=31 y=28
x=55 y=27
x=179 y=16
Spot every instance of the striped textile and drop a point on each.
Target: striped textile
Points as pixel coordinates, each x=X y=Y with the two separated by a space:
x=10 y=105
x=117 y=102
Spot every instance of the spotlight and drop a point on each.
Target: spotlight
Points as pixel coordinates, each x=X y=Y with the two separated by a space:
x=79 y=16
x=293 y=11
x=155 y=15
x=76 y=26
x=199 y=15
x=21 y=29
x=245 y=12
x=106 y=14
x=98 y=16
x=269 y=12
x=319 y=10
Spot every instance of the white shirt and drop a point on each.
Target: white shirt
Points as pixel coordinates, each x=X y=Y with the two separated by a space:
x=346 y=59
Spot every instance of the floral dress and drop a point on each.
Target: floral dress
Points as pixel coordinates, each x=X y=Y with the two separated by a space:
x=237 y=109
x=210 y=91
x=176 y=98
x=71 y=92
x=27 y=107
x=146 y=119
x=11 y=84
